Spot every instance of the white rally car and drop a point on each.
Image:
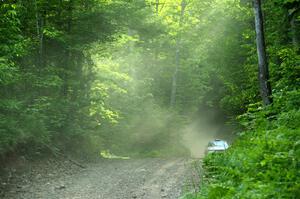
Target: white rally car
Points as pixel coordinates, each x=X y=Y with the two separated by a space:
x=217 y=146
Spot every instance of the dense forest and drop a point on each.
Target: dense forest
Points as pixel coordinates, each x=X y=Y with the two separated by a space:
x=126 y=76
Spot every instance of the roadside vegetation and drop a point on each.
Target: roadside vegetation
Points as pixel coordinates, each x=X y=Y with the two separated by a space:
x=263 y=161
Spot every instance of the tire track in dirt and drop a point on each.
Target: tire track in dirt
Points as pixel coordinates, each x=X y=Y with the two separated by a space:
x=162 y=180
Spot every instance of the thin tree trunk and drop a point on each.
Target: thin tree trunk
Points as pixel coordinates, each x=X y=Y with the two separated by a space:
x=174 y=79
x=42 y=61
x=162 y=6
x=68 y=53
x=156 y=49
x=177 y=58
x=39 y=20
x=263 y=74
x=295 y=40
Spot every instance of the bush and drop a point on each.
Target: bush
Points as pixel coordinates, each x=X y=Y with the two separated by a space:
x=264 y=160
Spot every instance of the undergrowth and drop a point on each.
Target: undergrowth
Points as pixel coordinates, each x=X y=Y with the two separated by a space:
x=264 y=161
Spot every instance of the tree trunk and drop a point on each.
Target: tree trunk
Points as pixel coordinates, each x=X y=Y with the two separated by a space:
x=156 y=6
x=174 y=79
x=293 y=25
x=263 y=74
x=39 y=20
x=68 y=53
x=177 y=58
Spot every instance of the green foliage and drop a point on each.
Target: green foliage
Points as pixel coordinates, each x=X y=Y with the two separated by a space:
x=98 y=74
x=48 y=92
x=259 y=162
x=263 y=161
x=81 y=72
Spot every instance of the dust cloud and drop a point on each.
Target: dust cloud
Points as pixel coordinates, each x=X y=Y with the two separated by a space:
x=162 y=133
x=196 y=136
x=203 y=127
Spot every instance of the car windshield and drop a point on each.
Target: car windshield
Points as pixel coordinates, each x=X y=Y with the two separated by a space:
x=219 y=143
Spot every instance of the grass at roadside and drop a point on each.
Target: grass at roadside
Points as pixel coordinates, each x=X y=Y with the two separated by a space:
x=264 y=162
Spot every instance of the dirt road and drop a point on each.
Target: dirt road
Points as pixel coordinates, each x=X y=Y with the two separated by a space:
x=151 y=178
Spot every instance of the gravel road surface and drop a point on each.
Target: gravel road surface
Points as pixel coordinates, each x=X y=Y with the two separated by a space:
x=150 y=178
